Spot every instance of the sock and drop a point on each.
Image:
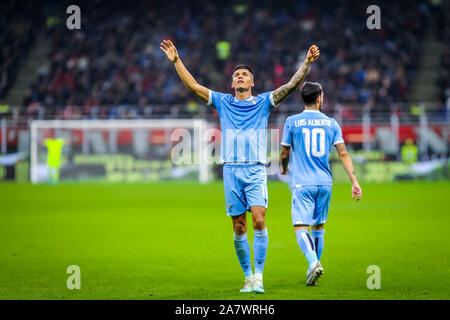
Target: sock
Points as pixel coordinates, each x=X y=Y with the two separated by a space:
x=243 y=253
x=55 y=176
x=260 y=243
x=317 y=236
x=306 y=243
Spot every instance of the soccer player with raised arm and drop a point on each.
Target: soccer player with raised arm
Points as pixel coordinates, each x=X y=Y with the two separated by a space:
x=311 y=134
x=243 y=121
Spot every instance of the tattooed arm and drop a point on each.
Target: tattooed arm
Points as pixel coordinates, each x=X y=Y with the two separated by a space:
x=282 y=92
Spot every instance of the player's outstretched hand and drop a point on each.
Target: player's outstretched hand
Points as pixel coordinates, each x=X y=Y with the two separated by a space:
x=313 y=54
x=169 y=49
x=356 y=191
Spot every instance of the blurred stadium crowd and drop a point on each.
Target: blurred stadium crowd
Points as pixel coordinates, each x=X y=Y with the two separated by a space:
x=115 y=60
x=20 y=23
x=444 y=77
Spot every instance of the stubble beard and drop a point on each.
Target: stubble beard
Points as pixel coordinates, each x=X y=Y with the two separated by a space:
x=242 y=89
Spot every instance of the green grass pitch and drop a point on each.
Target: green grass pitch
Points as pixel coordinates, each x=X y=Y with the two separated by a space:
x=174 y=241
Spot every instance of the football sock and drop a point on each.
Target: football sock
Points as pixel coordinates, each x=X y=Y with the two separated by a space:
x=306 y=243
x=243 y=253
x=260 y=243
x=317 y=236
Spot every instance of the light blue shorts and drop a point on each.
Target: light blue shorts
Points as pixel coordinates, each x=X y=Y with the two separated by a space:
x=310 y=204
x=245 y=186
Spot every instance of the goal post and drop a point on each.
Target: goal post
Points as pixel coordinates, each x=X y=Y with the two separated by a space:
x=121 y=150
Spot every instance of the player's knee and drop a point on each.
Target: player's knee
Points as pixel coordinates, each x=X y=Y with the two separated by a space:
x=240 y=228
x=259 y=223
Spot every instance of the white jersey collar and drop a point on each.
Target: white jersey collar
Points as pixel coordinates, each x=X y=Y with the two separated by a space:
x=251 y=98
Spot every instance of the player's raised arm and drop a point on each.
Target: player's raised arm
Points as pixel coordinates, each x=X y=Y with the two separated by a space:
x=172 y=54
x=282 y=92
x=348 y=165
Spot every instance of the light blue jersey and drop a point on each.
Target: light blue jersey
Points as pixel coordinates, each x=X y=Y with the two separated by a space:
x=311 y=134
x=243 y=125
x=244 y=148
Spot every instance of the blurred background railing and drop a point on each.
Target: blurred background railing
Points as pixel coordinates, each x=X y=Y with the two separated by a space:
x=364 y=127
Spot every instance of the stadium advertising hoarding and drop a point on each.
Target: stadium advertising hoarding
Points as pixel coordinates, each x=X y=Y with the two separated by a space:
x=158 y=152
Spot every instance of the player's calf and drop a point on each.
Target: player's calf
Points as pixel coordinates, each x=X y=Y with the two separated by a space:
x=260 y=244
x=318 y=238
x=306 y=244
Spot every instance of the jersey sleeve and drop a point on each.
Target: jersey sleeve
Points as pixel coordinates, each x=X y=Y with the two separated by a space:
x=268 y=100
x=337 y=134
x=286 y=140
x=214 y=98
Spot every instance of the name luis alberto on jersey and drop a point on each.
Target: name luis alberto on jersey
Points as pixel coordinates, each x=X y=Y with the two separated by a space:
x=312 y=122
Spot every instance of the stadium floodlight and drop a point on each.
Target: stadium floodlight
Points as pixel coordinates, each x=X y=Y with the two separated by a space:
x=121 y=150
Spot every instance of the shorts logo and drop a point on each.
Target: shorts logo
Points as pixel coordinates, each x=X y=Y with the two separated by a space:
x=229 y=208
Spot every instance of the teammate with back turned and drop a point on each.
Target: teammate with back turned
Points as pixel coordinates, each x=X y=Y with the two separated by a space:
x=243 y=121
x=311 y=134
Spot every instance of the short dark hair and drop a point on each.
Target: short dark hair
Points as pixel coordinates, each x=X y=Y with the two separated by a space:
x=243 y=66
x=310 y=91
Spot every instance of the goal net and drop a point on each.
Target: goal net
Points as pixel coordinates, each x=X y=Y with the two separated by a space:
x=119 y=150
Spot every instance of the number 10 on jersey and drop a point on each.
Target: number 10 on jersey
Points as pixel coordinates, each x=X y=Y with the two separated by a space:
x=312 y=145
